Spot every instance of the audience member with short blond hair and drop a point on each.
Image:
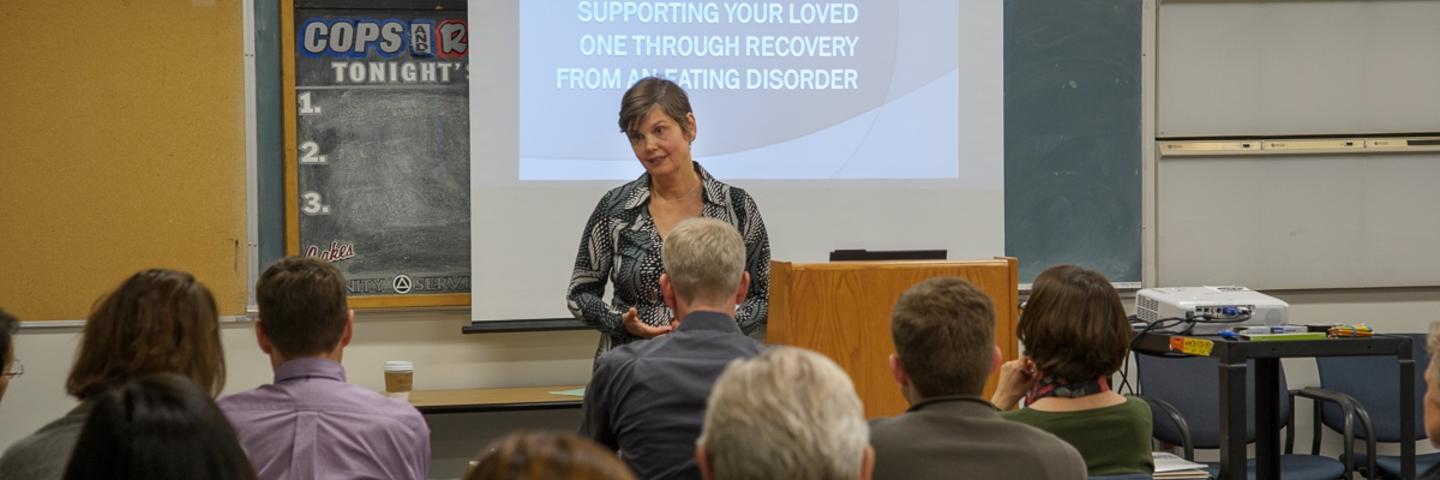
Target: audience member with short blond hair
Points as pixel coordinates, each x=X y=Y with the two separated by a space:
x=1432 y=396
x=646 y=399
x=1432 y=386
x=538 y=455
x=788 y=413
x=157 y=321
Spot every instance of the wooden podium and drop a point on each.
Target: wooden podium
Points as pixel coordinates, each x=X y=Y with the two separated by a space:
x=842 y=309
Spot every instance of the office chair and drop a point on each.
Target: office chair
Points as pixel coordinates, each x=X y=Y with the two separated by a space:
x=1373 y=382
x=1185 y=403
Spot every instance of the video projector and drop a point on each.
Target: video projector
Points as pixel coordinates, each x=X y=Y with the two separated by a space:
x=1212 y=309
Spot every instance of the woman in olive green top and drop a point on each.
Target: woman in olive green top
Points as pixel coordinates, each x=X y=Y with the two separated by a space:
x=1076 y=336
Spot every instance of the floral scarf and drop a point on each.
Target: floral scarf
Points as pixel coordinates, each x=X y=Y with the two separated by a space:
x=1053 y=386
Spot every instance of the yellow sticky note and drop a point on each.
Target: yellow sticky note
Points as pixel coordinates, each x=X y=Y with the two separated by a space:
x=1191 y=346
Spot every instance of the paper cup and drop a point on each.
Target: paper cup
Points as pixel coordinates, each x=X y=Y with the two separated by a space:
x=399 y=379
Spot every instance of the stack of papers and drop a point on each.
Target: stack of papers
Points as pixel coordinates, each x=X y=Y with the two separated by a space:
x=574 y=392
x=1168 y=466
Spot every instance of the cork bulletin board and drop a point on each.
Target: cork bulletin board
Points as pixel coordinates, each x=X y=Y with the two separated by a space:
x=127 y=154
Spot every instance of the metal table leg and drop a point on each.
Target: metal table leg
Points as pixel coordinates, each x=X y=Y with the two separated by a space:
x=1232 y=421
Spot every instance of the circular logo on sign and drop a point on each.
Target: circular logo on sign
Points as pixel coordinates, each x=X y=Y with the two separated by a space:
x=401 y=284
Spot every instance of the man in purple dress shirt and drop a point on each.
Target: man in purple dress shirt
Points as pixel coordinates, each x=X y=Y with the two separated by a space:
x=310 y=424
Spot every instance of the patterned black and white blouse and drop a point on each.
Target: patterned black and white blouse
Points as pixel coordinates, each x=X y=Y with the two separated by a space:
x=621 y=244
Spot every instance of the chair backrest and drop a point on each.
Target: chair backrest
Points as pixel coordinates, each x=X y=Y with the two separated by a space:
x=1375 y=382
x=1192 y=385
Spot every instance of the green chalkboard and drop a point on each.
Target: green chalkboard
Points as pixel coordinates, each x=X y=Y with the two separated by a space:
x=1072 y=135
x=270 y=157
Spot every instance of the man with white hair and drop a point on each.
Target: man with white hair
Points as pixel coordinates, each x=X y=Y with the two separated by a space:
x=647 y=399
x=1432 y=396
x=1432 y=390
x=788 y=413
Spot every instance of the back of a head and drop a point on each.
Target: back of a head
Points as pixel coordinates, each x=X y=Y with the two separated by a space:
x=705 y=260
x=8 y=326
x=303 y=308
x=787 y=413
x=158 y=427
x=1074 y=325
x=1432 y=382
x=944 y=333
x=157 y=321
x=1432 y=346
x=548 y=456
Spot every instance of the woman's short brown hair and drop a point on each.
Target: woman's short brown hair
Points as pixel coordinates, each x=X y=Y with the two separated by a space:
x=158 y=321
x=651 y=92
x=1074 y=326
x=547 y=455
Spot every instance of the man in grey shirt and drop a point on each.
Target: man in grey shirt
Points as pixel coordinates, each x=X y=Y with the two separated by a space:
x=944 y=333
x=647 y=398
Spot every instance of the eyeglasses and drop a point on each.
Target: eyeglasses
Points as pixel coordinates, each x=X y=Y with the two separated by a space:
x=16 y=369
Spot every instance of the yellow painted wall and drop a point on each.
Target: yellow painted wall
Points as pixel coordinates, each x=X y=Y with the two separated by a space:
x=121 y=148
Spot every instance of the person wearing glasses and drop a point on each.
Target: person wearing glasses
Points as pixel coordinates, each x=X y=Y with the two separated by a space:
x=10 y=367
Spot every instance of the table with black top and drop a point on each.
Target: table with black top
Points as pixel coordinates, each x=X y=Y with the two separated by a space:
x=1234 y=356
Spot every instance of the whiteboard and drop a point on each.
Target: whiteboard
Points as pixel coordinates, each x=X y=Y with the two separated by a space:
x=545 y=147
x=1237 y=67
x=1294 y=222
